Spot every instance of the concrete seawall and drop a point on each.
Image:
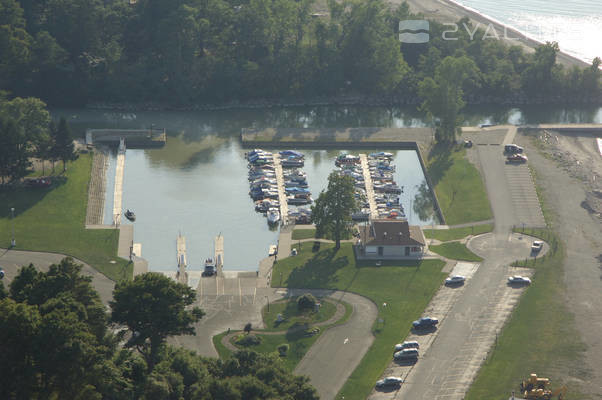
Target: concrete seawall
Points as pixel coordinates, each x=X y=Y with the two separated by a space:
x=97 y=188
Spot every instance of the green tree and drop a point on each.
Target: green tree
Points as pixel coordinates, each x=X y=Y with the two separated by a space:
x=443 y=94
x=332 y=210
x=306 y=302
x=14 y=150
x=63 y=144
x=538 y=77
x=154 y=307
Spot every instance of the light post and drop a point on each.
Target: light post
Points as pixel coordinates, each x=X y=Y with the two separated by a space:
x=13 y=242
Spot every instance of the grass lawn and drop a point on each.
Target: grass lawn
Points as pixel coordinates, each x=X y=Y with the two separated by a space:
x=300 y=234
x=459 y=186
x=222 y=351
x=406 y=287
x=292 y=316
x=53 y=221
x=539 y=338
x=297 y=340
x=455 y=251
x=457 y=233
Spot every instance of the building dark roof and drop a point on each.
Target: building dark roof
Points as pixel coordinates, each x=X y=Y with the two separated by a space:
x=391 y=232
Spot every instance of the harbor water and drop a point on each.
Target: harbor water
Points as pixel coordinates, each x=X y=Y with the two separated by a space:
x=197 y=184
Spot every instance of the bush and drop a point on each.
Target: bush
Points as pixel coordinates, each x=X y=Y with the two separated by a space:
x=306 y=302
x=283 y=349
x=248 y=340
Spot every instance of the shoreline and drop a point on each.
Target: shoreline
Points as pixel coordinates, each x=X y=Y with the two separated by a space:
x=452 y=11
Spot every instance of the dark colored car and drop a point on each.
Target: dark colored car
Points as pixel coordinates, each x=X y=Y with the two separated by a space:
x=424 y=323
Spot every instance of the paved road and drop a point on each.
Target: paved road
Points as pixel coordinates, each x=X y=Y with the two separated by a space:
x=335 y=355
x=232 y=302
x=12 y=260
x=455 y=351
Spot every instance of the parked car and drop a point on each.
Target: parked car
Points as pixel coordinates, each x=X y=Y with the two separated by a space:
x=512 y=149
x=537 y=246
x=406 y=354
x=424 y=323
x=389 y=381
x=455 y=280
x=517 y=279
x=407 y=345
x=517 y=158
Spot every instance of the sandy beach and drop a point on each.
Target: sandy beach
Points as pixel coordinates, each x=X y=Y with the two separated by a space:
x=447 y=11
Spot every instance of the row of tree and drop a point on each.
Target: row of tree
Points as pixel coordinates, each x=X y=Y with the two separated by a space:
x=55 y=343
x=27 y=132
x=204 y=51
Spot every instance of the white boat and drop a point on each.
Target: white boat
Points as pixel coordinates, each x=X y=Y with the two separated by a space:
x=273 y=216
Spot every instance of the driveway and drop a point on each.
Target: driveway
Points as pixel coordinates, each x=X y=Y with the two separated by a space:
x=12 y=261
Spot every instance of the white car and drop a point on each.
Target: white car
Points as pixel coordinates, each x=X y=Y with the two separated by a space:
x=406 y=354
x=389 y=381
x=412 y=344
x=536 y=246
x=517 y=279
x=455 y=279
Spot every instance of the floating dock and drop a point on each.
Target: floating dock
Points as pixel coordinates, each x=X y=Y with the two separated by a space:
x=182 y=274
x=281 y=189
x=218 y=245
x=118 y=194
x=369 y=186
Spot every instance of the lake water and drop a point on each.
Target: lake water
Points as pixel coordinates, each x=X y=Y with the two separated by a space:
x=576 y=25
x=197 y=184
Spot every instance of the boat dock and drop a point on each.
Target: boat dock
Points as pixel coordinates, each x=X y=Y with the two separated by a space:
x=182 y=274
x=218 y=245
x=134 y=138
x=117 y=196
x=281 y=189
x=369 y=186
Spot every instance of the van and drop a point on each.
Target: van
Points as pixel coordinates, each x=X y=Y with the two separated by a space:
x=512 y=149
x=406 y=354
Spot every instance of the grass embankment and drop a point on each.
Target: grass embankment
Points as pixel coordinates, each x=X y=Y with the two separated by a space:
x=455 y=251
x=295 y=325
x=52 y=220
x=300 y=234
x=458 y=185
x=310 y=233
x=540 y=336
x=445 y=235
x=405 y=286
x=292 y=317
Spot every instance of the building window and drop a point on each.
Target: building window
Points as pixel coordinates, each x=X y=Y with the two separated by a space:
x=415 y=249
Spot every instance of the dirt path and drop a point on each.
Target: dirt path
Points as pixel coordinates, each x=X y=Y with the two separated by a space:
x=582 y=233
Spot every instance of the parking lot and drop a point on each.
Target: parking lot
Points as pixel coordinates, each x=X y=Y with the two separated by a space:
x=524 y=198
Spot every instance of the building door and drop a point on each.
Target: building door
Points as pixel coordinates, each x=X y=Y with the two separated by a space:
x=407 y=251
x=380 y=250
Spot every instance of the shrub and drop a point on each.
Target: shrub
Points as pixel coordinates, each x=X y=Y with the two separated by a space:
x=248 y=340
x=283 y=349
x=306 y=302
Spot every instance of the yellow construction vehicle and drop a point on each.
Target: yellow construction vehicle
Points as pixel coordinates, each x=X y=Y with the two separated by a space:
x=534 y=383
x=544 y=394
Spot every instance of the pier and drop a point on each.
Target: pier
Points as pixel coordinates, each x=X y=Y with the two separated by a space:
x=117 y=196
x=218 y=256
x=134 y=138
x=281 y=189
x=369 y=186
x=182 y=274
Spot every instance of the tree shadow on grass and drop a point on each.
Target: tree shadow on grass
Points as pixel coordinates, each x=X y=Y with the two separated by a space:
x=23 y=198
x=319 y=271
x=440 y=161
